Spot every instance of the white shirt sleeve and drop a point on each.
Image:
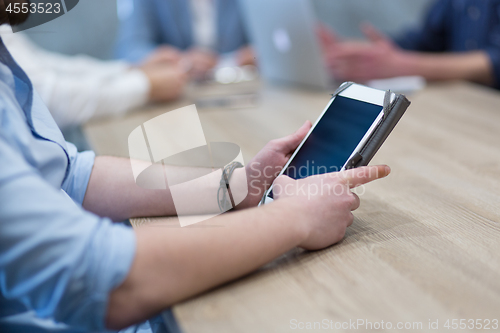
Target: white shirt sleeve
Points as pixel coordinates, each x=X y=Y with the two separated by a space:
x=203 y=16
x=78 y=88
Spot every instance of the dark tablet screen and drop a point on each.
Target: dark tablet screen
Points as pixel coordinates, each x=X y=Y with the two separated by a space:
x=334 y=138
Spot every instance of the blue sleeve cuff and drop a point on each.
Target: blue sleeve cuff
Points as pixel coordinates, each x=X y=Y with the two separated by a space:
x=55 y=258
x=104 y=267
x=80 y=167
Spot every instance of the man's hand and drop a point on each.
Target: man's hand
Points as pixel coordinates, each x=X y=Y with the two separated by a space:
x=380 y=58
x=199 y=61
x=167 y=81
x=163 y=55
x=360 y=61
x=245 y=56
x=170 y=261
x=267 y=164
x=326 y=202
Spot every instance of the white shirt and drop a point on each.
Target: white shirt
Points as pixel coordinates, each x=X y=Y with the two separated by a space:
x=203 y=15
x=78 y=88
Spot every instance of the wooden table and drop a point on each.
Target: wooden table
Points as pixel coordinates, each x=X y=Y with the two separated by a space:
x=425 y=244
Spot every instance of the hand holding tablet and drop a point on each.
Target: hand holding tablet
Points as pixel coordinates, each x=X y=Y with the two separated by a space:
x=347 y=134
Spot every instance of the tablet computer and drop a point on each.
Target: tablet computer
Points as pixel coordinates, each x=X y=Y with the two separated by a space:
x=347 y=134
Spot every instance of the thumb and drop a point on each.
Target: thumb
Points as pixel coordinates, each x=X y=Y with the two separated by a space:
x=289 y=143
x=373 y=34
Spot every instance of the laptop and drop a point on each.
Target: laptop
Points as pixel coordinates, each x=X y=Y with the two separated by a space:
x=283 y=33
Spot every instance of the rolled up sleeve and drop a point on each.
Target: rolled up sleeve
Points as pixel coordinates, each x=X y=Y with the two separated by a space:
x=78 y=174
x=55 y=258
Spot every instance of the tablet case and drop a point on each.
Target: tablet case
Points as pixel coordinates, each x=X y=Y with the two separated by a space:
x=393 y=111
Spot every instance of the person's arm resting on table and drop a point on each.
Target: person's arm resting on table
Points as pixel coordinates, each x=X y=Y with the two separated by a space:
x=434 y=51
x=169 y=262
x=382 y=58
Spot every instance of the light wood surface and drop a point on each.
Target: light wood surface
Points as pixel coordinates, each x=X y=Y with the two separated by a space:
x=425 y=244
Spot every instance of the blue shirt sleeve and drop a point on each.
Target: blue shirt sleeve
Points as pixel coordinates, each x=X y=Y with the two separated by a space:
x=78 y=175
x=55 y=258
x=433 y=36
x=138 y=32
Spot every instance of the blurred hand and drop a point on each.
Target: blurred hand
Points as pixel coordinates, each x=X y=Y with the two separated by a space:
x=267 y=164
x=245 y=56
x=327 y=38
x=167 y=81
x=199 y=61
x=166 y=55
x=326 y=202
x=359 y=61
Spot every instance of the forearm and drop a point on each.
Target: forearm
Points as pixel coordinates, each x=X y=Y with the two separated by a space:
x=472 y=66
x=112 y=192
x=174 y=264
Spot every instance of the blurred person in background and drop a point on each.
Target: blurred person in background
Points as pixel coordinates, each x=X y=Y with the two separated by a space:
x=79 y=88
x=201 y=32
x=459 y=40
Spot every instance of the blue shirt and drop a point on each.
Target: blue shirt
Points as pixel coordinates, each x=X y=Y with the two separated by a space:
x=58 y=263
x=152 y=23
x=459 y=26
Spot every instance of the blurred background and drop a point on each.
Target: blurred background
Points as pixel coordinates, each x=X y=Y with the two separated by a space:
x=91 y=27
